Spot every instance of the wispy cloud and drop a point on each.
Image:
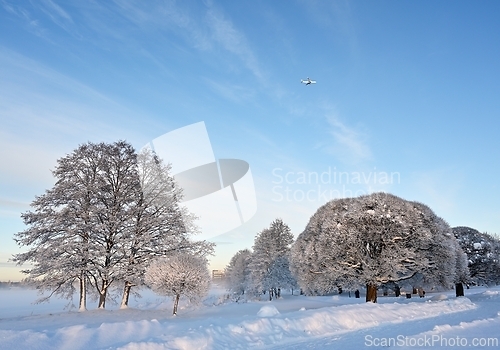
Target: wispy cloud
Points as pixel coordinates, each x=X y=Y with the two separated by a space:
x=7 y=202
x=349 y=143
x=337 y=17
x=204 y=31
x=45 y=114
x=225 y=33
x=55 y=13
x=32 y=24
x=232 y=92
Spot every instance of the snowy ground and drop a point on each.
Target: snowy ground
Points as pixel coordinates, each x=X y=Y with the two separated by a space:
x=438 y=321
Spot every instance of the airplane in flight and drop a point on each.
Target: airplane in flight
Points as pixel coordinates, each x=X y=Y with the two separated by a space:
x=308 y=81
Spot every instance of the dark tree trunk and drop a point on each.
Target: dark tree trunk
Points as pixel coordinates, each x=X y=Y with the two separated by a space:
x=459 y=290
x=102 y=294
x=176 y=303
x=371 y=293
x=102 y=300
x=414 y=290
x=397 y=290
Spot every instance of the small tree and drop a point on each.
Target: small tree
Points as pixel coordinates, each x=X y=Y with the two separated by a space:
x=237 y=272
x=179 y=275
x=270 y=244
x=279 y=276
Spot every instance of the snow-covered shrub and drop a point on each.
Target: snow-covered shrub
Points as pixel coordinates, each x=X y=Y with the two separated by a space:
x=179 y=275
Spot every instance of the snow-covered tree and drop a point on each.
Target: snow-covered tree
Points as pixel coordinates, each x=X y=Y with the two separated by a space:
x=159 y=226
x=179 y=275
x=116 y=204
x=483 y=255
x=270 y=244
x=373 y=240
x=237 y=272
x=279 y=276
x=62 y=227
x=107 y=216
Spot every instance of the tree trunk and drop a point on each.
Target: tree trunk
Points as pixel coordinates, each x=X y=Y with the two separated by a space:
x=414 y=290
x=397 y=290
x=176 y=303
x=83 y=292
x=102 y=295
x=459 y=290
x=126 y=295
x=371 y=293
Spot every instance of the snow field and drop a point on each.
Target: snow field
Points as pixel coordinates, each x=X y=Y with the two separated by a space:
x=285 y=322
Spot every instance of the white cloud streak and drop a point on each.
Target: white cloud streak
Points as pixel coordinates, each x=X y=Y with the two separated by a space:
x=350 y=144
x=232 y=40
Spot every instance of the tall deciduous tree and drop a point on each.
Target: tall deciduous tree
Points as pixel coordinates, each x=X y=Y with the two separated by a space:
x=160 y=225
x=107 y=216
x=62 y=226
x=119 y=187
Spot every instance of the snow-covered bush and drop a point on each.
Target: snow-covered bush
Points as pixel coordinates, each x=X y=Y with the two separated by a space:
x=179 y=275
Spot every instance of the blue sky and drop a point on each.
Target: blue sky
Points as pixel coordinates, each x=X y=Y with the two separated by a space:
x=406 y=100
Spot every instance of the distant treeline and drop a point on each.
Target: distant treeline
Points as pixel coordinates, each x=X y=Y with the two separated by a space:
x=11 y=284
